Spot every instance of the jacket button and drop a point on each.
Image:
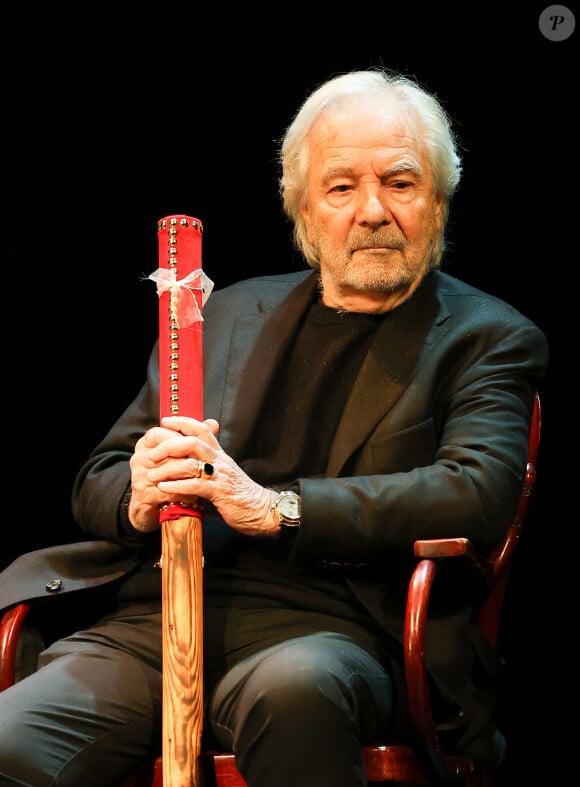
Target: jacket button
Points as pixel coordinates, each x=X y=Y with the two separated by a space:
x=54 y=585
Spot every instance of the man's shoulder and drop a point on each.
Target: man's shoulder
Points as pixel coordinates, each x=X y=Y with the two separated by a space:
x=459 y=295
x=261 y=292
x=269 y=281
x=451 y=285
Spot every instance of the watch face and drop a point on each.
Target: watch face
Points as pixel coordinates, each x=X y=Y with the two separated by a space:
x=289 y=507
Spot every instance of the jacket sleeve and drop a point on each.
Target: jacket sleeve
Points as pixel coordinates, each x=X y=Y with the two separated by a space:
x=101 y=489
x=447 y=460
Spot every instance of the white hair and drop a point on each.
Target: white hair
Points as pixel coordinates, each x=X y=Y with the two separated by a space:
x=429 y=121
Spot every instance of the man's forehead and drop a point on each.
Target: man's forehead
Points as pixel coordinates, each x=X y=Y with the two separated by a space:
x=382 y=152
x=363 y=124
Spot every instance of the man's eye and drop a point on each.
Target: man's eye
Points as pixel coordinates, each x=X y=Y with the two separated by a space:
x=341 y=187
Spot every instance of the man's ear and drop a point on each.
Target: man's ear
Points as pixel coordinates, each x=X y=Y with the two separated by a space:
x=305 y=213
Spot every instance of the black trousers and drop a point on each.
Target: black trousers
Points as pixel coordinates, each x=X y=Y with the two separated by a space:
x=292 y=694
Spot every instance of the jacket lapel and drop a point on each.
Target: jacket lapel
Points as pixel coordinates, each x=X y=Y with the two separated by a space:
x=259 y=343
x=387 y=370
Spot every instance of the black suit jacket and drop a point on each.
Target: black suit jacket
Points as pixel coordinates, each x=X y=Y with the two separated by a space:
x=432 y=443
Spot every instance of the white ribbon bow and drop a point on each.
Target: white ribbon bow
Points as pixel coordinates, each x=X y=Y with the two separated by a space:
x=183 y=303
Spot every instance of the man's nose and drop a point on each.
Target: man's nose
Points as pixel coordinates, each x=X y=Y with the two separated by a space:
x=372 y=210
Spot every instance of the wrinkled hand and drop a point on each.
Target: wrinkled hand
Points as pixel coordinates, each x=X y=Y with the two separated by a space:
x=164 y=469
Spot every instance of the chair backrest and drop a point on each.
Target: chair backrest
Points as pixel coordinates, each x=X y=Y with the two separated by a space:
x=502 y=556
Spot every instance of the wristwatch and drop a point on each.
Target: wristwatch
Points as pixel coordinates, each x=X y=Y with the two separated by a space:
x=288 y=509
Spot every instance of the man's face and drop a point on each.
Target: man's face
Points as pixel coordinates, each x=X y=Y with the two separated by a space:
x=372 y=213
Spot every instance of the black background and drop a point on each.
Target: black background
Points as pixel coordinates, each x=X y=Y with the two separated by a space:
x=115 y=122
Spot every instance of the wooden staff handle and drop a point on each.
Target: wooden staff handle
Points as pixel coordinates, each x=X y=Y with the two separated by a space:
x=182 y=652
x=181 y=393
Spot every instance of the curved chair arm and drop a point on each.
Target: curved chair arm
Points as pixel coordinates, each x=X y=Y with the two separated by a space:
x=10 y=625
x=436 y=761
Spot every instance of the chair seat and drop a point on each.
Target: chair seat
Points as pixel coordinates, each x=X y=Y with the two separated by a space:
x=382 y=764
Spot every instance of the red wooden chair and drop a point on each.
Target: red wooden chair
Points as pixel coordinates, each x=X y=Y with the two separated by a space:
x=427 y=763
